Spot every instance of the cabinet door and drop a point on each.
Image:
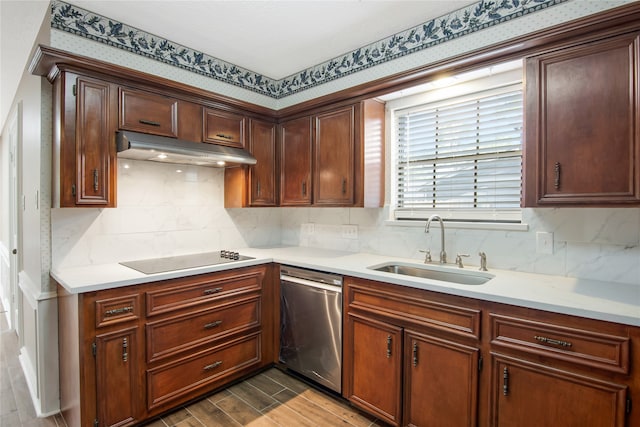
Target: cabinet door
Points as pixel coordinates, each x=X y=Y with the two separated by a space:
x=582 y=136
x=262 y=175
x=95 y=145
x=221 y=127
x=375 y=367
x=295 y=162
x=333 y=178
x=441 y=382
x=528 y=394
x=148 y=113
x=117 y=384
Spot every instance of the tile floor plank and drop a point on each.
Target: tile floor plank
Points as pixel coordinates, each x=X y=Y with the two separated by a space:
x=334 y=406
x=209 y=414
x=242 y=412
x=308 y=409
x=287 y=417
x=176 y=417
x=287 y=380
x=265 y=384
x=252 y=395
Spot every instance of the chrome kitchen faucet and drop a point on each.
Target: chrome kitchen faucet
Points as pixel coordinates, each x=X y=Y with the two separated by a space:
x=443 y=254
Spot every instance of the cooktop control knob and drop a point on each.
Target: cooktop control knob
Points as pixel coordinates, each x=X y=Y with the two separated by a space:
x=229 y=254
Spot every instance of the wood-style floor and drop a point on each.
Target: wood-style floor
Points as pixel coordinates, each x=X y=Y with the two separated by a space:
x=271 y=398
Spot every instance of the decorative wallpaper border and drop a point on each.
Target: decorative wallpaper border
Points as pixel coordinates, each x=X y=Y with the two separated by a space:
x=485 y=13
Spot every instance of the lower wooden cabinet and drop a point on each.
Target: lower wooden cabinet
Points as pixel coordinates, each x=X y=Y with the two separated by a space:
x=118 y=376
x=375 y=367
x=440 y=382
x=528 y=394
x=129 y=354
x=415 y=358
x=401 y=369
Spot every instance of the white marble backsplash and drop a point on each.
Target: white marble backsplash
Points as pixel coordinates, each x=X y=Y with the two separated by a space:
x=162 y=212
x=595 y=243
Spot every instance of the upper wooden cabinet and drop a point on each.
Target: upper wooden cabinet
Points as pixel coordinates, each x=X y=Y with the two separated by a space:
x=221 y=127
x=582 y=131
x=295 y=162
x=262 y=175
x=84 y=166
x=147 y=112
x=334 y=157
x=322 y=157
x=254 y=185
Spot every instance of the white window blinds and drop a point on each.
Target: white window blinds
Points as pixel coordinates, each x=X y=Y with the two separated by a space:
x=462 y=155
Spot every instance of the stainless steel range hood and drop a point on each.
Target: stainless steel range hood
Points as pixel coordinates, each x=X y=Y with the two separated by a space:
x=140 y=146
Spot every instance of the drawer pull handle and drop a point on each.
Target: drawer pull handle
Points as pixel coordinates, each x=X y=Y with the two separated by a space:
x=223 y=136
x=213 y=324
x=212 y=291
x=415 y=354
x=388 y=346
x=125 y=349
x=505 y=382
x=149 y=122
x=552 y=341
x=556 y=181
x=214 y=365
x=120 y=310
x=96 y=180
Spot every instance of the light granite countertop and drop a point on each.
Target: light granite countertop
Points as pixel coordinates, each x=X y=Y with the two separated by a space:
x=593 y=299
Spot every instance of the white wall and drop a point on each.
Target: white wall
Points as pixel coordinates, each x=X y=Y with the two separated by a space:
x=37 y=302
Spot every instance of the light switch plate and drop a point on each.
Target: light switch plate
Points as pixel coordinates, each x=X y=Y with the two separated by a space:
x=544 y=243
x=350 y=232
x=308 y=228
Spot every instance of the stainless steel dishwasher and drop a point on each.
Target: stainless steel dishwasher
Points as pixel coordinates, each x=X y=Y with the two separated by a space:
x=311 y=325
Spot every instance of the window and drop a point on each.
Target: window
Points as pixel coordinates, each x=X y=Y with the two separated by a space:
x=460 y=157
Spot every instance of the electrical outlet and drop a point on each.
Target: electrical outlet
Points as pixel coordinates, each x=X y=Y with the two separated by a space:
x=308 y=228
x=544 y=243
x=350 y=232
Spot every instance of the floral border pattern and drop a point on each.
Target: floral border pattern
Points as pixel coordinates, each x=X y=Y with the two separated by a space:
x=485 y=13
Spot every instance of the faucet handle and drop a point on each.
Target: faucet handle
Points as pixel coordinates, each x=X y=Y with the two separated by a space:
x=483 y=261
x=459 y=259
x=427 y=255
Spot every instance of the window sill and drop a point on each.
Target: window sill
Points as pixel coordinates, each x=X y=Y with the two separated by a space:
x=501 y=226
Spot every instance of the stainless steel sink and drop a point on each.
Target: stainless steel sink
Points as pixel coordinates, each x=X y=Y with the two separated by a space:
x=435 y=273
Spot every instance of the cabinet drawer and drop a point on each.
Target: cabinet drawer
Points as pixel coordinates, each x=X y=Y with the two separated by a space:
x=223 y=128
x=202 y=289
x=167 y=337
x=110 y=311
x=148 y=113
x=404 y=308
x=190 y=374
x=591 y=349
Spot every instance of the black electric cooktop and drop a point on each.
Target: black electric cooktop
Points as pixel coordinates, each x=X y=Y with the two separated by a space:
x=181 y=262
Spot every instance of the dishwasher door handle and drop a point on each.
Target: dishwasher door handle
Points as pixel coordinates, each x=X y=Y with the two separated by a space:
x=312 y=284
